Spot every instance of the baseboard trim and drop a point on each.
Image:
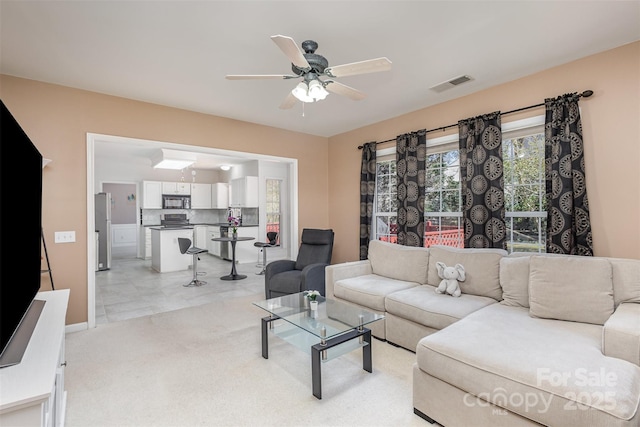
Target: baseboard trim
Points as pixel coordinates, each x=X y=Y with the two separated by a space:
x=76 y=327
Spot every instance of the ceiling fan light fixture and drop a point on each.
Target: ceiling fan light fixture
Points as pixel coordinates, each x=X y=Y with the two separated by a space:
x=225 y=167
x=317 y=90
x=301 y=92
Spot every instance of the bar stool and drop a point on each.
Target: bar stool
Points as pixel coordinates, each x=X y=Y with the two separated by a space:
x=186 y=248
x=272 y=238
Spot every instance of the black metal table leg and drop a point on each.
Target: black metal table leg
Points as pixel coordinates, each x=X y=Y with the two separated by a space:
x=265 y=334
x=318 y=349
x=367 y=363
x=316 y=373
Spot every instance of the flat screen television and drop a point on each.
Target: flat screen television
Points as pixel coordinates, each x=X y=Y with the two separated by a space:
x=20 y=237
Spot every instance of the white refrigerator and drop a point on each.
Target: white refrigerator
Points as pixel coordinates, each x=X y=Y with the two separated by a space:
x=103 y=230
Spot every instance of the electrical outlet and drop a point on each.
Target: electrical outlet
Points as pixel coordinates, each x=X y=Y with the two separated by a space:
x=65 y=236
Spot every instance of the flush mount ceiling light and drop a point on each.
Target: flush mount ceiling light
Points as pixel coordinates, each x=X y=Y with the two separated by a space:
x=225 y=167
x=172 y=159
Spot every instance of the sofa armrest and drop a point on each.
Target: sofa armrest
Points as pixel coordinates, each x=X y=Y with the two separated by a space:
x=345 y=270
x=621 y=333
x=273 y=268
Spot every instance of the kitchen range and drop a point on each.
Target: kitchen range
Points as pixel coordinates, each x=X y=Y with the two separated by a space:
x=175 y=221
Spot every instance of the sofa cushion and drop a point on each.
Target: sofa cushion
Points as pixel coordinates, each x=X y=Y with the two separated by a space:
x=369 y=290
x=621 y=333
x=399 y=262
x=514 y=280
x=424 y=306
x=481 y=266
x=573 y=288
x=626 y=280
x=546 y=370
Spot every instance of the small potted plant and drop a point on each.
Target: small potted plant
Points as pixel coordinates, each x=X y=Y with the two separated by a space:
x=233 y=223
x=311 y=296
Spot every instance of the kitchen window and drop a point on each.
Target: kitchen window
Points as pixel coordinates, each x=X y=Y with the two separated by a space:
x=273 y=206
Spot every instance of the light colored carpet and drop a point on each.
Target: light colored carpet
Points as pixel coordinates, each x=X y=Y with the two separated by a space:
x=202 y=366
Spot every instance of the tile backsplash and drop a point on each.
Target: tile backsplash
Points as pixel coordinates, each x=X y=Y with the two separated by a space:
x=200 y=216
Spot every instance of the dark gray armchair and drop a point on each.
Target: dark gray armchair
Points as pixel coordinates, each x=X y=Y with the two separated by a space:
x=285 y=277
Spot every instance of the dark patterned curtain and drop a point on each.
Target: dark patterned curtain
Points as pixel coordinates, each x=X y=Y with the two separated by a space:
x=482 y=181
x=568 y=224
x=367 y=192
x=411 y=156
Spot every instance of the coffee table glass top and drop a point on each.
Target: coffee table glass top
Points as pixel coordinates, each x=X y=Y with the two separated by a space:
x=334 y=316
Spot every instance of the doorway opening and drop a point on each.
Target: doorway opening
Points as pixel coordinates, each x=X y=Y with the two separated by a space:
x=128 y=172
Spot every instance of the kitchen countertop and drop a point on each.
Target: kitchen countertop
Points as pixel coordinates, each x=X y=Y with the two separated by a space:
x=163 y=228
x=217 y=224
x=225 y=224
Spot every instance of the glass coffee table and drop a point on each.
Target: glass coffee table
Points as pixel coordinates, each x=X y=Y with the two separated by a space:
x=333 y=329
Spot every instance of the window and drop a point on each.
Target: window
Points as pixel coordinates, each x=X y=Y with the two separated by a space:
x=273 y=206
x=443 y=215
x=385 y=202
x=524 y=191
x=523 y=156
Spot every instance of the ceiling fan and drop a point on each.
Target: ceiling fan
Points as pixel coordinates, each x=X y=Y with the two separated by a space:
x=310 y=66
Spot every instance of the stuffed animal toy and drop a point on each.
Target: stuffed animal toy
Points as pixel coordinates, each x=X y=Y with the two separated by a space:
x=451 y=276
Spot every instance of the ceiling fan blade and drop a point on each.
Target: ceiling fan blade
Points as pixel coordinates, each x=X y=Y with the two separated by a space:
x=340 y=89
x=291 y=49
x=362 y=67
x=258 y=76
x=288 y=102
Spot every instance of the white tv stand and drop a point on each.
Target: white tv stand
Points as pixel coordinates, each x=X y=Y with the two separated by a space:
x=32 y=392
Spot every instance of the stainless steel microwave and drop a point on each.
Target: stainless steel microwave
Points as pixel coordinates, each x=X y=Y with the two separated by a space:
x=171 y=201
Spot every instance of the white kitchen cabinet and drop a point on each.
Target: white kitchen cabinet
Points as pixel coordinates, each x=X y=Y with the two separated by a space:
x=245 y=251
x=145 y=239
x=200 y=234
x=179 y=188
x=213 y=247
x=32 y=392
x=151 y=195
x=219 y=195
x=244 y=192
x=200 y=196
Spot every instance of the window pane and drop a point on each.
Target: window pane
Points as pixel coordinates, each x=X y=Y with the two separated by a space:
x=450 y=201
x=273 y=206
x=444 y=230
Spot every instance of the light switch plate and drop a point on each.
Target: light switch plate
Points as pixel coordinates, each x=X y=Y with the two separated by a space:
x=65 y=236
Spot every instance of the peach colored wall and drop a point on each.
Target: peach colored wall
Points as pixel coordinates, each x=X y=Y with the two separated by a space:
x=57 y=120
x=611 y=132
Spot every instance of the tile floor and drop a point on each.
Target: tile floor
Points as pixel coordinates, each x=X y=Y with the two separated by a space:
x=131 y=288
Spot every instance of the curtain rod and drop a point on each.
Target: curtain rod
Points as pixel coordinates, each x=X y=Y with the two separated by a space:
x=586 y=94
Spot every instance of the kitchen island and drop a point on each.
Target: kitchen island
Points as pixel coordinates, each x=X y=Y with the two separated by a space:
x=165 y=250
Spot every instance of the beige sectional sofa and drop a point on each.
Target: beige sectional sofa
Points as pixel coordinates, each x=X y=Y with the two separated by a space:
x=534 y=339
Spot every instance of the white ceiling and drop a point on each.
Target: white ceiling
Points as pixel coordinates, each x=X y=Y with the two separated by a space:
x=177 y=53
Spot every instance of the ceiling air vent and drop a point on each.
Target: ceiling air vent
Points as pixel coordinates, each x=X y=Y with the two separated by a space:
x=456 y=81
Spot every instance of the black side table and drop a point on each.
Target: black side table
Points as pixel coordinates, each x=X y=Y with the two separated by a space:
x=234 y=274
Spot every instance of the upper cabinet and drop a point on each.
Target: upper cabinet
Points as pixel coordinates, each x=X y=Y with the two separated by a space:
x=200 y=196
x=151 y=195
x=181 y=188
x=244 y=192
x=220 y=195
